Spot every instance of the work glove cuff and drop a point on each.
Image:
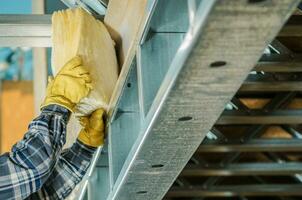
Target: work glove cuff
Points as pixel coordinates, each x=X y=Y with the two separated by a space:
x=58 y=100
x=91 y=137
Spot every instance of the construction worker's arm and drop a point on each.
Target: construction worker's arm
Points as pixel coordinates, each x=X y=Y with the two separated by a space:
x=74 y=162
x=25 y=169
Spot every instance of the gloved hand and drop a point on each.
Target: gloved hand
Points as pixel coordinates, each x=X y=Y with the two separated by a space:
x=70 y=85
x=92 y=133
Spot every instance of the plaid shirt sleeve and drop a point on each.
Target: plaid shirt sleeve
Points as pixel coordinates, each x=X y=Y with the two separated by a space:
x=25 y=169
x=68 y=172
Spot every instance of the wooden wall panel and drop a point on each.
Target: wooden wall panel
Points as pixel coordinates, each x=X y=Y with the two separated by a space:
x=123 y=20
x=17 y=110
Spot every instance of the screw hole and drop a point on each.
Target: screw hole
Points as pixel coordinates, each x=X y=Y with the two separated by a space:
x=157 y=166
x=141 y=192
x=128 y=84
x=185 y=118
x=129 y=183
x=218 y=64
x=255 y=1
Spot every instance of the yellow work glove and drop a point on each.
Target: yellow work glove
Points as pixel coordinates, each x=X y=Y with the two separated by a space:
x=70 y=85
x=92 y=133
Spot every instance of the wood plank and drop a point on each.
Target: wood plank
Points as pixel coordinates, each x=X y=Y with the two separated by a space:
x=254 y=103
x=258 y=103
x=127 y=38
x=123 y=20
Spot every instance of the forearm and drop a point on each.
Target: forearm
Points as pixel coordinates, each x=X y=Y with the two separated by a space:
x=25 y=169
x=68 y=172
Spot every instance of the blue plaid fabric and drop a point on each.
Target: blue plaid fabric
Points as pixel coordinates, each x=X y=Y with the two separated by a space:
x=36 y=168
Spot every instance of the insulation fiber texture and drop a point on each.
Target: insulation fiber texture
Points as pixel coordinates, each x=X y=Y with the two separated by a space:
x=76 y=32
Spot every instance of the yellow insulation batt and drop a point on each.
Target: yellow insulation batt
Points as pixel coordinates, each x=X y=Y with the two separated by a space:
x=75 y=32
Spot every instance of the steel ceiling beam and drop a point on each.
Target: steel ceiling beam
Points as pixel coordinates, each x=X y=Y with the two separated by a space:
x=271 y=86
x=253 y=145
x=261 y=117
x=243 y=169
x=237 y=190
x=286 y=67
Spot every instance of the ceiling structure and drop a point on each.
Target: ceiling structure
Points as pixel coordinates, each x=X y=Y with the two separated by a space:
x=254 y=151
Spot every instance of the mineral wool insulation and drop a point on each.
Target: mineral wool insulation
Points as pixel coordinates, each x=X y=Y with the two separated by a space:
x=75 y=32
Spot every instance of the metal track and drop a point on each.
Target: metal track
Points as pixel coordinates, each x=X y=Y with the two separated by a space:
x=271 y=86
x=290 y=66
x=243 y=169
x=254 y=145
x=237 y=190
x=261 y=117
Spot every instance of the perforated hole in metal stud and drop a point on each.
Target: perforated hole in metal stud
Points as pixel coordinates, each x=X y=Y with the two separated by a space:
x=129 y=183
x=141 y=192
x=157 y=166
x=255 y=1
x=218 y=64
x=185 y=118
